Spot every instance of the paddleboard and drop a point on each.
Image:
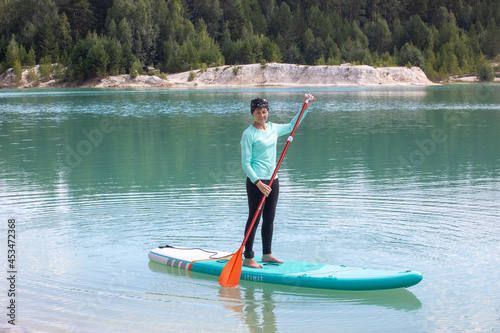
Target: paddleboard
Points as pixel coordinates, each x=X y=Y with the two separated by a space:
x=291 y=273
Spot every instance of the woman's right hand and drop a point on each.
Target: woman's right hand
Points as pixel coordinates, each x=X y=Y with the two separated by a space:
x=309 y=98
x=265 y=189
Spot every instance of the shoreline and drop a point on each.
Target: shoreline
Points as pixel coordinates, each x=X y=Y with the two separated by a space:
x=254 y=75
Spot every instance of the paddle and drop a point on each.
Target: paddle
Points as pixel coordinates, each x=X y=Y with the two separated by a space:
x=231 y=273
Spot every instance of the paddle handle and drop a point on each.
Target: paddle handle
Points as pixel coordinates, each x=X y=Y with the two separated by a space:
x=290 y=138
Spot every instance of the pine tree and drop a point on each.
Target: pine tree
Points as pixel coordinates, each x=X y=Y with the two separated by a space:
x=474 y=40
x=436 y=12
x=18 y=71
x=208 y=50
x=448 y=30
x=379 y=36
x=310 y=52
x=112 y=29
x=12 y=54
x=317 y=22
x=447 y=60
x=417 y=8
x=97 y=61
x=336 y=28
x=254 y=13
x=115 y=55
x=491 y=41
x=128 y=60
x=450 y=35
x=410 y=55
x=63 y=33
x=270 y=50
x=285 y=24
x=463 y=53
x=399 y=35
x=430 y=65
x=46 y=39
x=463 y=13
x=210 y=12
x=357 y=34
x=418 y=33
x=80 y=16
x=332 y=50
x=485 y=70
x=124 y=33
x=355 y=10
x=235 y=16
x=31 y=58
x=45 y=64
x=23 y=55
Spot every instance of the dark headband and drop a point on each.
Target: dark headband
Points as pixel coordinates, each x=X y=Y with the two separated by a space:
x=258 y=103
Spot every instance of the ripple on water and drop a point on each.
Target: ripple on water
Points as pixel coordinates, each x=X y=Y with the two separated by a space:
x=84 y=233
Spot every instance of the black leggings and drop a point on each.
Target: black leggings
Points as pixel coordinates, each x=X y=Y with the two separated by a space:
x=267 y=212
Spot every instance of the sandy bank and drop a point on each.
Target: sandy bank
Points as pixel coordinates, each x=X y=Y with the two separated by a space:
x=272 y=74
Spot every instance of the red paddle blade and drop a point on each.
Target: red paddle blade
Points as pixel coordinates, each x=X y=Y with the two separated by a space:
x=231 y=273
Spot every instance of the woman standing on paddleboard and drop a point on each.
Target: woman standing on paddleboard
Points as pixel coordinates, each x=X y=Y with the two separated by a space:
x=258 y=156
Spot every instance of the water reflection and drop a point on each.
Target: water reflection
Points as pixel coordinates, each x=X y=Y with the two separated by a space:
x=253 y=299
x=256 y=314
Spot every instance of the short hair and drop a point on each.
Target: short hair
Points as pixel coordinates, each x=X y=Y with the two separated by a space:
x=258 y=103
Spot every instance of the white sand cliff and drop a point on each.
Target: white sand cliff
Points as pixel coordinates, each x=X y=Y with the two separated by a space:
x=301 y=75
x=272 y=74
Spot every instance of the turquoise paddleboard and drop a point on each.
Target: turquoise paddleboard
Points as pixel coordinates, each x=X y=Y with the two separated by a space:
x=291 y=273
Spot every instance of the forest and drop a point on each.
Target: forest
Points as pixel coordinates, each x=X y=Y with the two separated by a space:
x=85 y=39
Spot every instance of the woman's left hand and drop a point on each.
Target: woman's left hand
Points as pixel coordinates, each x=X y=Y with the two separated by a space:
x=310 y=98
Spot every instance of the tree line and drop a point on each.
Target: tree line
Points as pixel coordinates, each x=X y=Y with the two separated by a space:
x=97 y=38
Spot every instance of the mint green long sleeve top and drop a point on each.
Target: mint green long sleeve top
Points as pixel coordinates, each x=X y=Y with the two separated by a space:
x=258 y=148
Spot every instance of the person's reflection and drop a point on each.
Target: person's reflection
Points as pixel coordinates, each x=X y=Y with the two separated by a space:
x=257 y=313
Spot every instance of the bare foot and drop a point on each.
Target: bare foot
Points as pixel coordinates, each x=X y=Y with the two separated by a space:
x=271 y=258
x=250 y=262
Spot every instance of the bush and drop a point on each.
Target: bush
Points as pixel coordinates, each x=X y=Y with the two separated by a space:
x=44 y=68
x=433 y=75
x=385 y=60
x=96 y=56
x=135 y=69
x=18 y=71
x=31 y=58
x=162 y=76
x=191 y=76
x=485 y=71
x=335 y=61
x=58 y=72
x=134 y=73
x=44 y=72
x=410 y=54
x=97 y=61
x=321 y=61
x=32 y=75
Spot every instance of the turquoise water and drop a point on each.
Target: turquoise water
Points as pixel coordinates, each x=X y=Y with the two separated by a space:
x=381 y=178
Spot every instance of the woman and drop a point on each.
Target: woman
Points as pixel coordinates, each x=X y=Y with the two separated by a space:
x=258 y=155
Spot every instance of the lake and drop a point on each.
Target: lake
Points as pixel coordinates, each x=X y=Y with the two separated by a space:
x=92 y=179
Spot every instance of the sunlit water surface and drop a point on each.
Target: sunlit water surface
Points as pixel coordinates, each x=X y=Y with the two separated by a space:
x=380 y=178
